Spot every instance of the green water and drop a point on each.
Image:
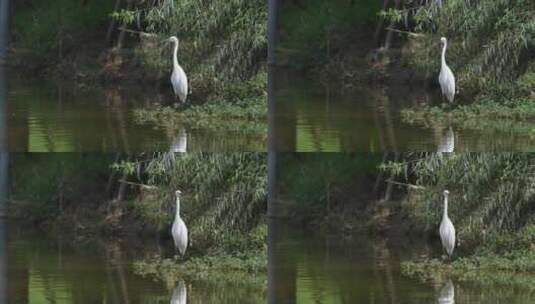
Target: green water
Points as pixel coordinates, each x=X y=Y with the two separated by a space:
x=314 y=116
x=47 y=116
x=308 y=266
x=42 y=269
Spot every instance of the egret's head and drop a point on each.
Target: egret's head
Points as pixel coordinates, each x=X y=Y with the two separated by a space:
x=443 y=40
x=446 y=192
x=178 y=193
x=173 y=39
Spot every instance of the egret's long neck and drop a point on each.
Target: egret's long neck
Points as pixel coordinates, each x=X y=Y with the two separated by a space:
x=175 y=58
x=443 y=54
x=445 y=206
x=177 y=214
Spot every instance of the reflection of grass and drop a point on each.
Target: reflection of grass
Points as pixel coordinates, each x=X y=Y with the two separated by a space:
x=311 y=32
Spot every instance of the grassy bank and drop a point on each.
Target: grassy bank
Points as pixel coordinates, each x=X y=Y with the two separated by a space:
x=491 y=54
x=508 y=260
x=240 y=261
x=491 y=208
x=224 y=202
x=238 y=107
x=222 y=49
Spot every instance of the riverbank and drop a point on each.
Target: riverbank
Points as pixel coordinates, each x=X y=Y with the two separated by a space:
x=219 y=190
x=491 y=213
x=240 y=261
x=506 y=261
x=491 y=56
x=97 y=44
x=399 y=197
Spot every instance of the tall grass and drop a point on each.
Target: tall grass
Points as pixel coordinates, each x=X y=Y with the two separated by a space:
x=491 y=193
x=219 y=40
x=491 y=43
x=224 y=195
x=41 y=26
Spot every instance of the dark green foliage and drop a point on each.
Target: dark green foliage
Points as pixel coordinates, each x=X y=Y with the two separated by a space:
x=317 y=183
x=491 y=205
x=490 y=43
x=219 y=40
x=44 y=185
x=41 y=26
x=239 y=107
x=491 y=193
x=311 y=31
x=224 y=195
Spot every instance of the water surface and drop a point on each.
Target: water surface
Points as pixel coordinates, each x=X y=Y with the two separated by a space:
x=311 y=115
x=35 y=268
x=308 y=266
x=42 y=115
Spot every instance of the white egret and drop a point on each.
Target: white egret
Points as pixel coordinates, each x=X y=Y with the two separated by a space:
x=179 y=293
x=179 y=229
x=179 y=80
x=447 y=231
x=446 y=78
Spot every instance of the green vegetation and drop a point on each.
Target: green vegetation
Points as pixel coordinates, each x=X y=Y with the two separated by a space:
x=490 y=50
x=491 y=207
x=224 y=202
x=239 y=107
x=399 y=196
x=327 y=188
x=44 y=28
x=491 y=265
x=66 y=181
x=219 y=40
x=235 y=265
x=219 y=190
x=314 y=32
x=222 y=48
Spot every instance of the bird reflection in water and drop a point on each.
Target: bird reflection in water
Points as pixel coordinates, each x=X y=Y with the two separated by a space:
x=446 y=142
x=447 y=294
x=180 y=142
x=179 y=293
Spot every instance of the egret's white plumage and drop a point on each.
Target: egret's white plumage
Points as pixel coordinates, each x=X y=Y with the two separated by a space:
x=179 y=293
x=447 y=231
x=179 y=80
x=446 y=78
x=179 y=230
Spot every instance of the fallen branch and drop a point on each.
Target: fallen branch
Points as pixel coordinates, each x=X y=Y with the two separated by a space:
x=407 y=185
x=122 y=29
x=138 y=184
x=404 y=32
